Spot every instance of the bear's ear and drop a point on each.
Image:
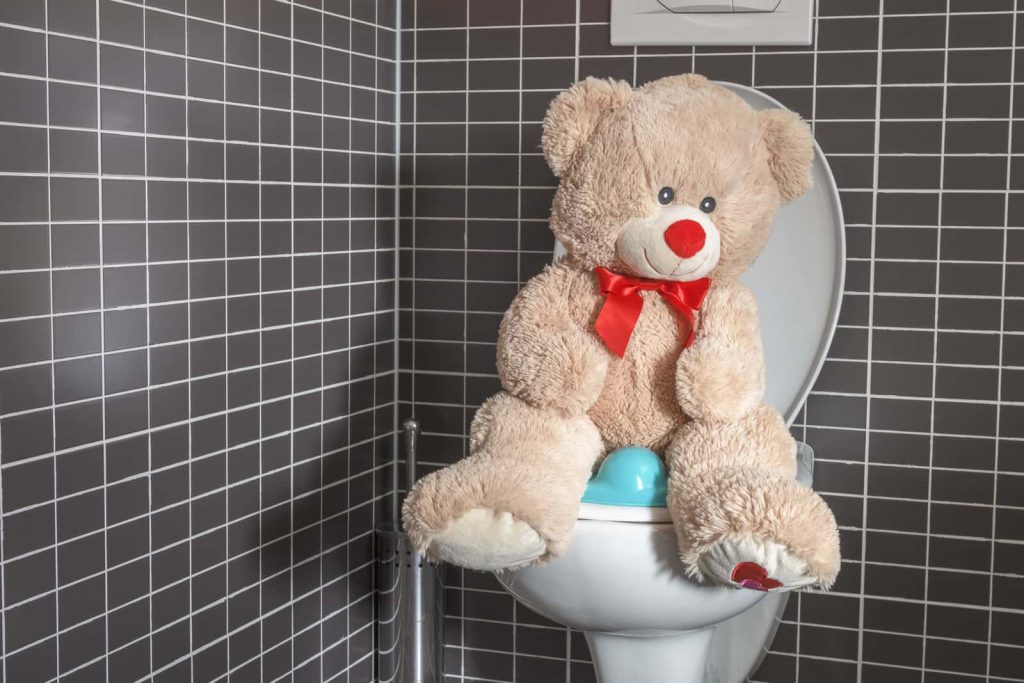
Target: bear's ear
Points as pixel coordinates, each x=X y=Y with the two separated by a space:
x=573 y=116
x=790 y=150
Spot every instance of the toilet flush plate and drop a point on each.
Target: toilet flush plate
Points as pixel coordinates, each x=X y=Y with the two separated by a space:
x=711 y=22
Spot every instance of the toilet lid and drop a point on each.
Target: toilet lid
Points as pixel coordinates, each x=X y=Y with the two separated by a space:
x=798 y=281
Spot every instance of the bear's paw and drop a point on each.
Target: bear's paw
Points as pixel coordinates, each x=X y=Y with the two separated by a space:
x=748 y=562
x=486 y=539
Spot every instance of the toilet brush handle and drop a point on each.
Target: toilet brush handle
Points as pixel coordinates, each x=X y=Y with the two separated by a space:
x=410 y=435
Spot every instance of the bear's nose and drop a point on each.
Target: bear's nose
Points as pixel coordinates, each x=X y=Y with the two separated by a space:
x=685 y=238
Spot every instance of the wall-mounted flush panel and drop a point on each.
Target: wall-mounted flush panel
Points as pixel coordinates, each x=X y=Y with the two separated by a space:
x=711 y=22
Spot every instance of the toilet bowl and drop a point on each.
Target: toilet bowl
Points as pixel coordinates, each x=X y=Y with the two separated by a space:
x=622 y=584
x=621 y=581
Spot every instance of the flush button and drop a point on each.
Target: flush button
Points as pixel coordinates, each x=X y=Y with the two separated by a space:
x=719 y=6
x=711 y=22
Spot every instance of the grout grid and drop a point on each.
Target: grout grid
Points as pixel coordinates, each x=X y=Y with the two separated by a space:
x=941 y=485
x=914 y=415
x=192 y=465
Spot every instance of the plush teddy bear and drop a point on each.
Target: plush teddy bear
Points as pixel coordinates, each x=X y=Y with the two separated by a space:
x=642 y=335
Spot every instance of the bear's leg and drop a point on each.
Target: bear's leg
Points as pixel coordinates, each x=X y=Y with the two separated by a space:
x=741 y=516
x=514 y=499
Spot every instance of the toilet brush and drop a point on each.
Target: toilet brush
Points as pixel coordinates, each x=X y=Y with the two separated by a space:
x=409 y=595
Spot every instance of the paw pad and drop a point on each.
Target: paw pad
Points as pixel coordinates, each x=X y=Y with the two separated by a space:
x=754 y=576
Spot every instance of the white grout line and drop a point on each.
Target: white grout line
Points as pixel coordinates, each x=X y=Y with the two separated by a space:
x=996 y=469
x=149 y=355
x=227 y=360
x=53 y=390
x=935 y=346
x=291 y=315
x=464 y=441
x=259 y=232
x=870 y=335
x=103 y=343
x=323 y=264
x=190 y=460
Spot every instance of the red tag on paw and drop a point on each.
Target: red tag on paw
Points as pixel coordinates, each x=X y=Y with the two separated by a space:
x=754 y=576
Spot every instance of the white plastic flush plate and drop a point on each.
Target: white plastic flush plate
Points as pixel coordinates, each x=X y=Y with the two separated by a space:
x=711 y=22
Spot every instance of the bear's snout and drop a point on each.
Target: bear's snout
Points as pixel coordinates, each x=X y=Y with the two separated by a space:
x=685 y=238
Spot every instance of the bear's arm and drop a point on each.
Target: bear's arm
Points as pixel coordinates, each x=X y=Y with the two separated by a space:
x=547 y=354
x=720 y=377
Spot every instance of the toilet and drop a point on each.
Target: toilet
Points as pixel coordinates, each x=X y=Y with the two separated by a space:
x=621 y=581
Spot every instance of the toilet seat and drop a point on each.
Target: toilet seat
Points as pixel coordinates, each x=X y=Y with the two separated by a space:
x=622 y=513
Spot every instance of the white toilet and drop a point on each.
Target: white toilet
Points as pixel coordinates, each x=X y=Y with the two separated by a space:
x=621 y=581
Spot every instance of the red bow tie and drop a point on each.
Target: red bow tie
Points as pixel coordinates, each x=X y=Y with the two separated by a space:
x=623 y=304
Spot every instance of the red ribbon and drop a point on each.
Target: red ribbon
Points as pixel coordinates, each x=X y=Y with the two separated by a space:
x=623 y=303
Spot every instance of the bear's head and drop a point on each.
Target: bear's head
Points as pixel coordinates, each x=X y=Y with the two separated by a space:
x=676 y=180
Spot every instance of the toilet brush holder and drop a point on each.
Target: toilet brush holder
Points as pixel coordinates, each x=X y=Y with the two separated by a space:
x=409 y=599
x=409 y=594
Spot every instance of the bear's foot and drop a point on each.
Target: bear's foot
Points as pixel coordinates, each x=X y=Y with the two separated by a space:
x=486 y=539
x=748 y=562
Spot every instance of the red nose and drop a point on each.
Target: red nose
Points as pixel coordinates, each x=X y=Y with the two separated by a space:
x=685 y=238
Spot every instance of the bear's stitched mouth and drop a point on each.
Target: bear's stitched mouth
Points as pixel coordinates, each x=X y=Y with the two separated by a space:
x=653 y=267
x=695 y=269
x=673 y=274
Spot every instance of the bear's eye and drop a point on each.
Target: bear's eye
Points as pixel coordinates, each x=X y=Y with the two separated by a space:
x=666 y=195
x=707 y=205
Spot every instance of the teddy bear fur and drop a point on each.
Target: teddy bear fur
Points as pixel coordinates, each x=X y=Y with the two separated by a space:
x=567 y=400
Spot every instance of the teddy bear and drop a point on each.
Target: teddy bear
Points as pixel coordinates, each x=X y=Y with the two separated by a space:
x=642 y=335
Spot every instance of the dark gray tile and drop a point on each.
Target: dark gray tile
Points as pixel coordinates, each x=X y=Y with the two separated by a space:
x=78 y=379
x=980 y=30
x=124 y=243
x=124 y=286
x=76 y=290
x=121 y=110
x=26 y=148
x=24 y=294
x=27 y=435
x=165 y=32
x=24 y=246
x=979 y=66
x=71 y=59
x=73 y=199
x=24 y=13
x=205 y=80
x=124 y=329
x=124 y=199
x=69 y=16
x=25 y=101
x=122 y=67
x=165 y=74
x=165 y=115
x=974 y=173
x=24 y=198
x=121 y=23
x=72 y=105
x=205 y=120
x=25 y=388
x=977 y=101
x=73 y=151
x=206 y=40
x=22 y=52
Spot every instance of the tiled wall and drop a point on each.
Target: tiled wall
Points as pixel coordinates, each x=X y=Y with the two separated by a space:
x=197 y=326
x=918 y=416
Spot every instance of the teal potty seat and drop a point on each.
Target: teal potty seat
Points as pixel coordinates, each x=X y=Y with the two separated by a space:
x=630 y=477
